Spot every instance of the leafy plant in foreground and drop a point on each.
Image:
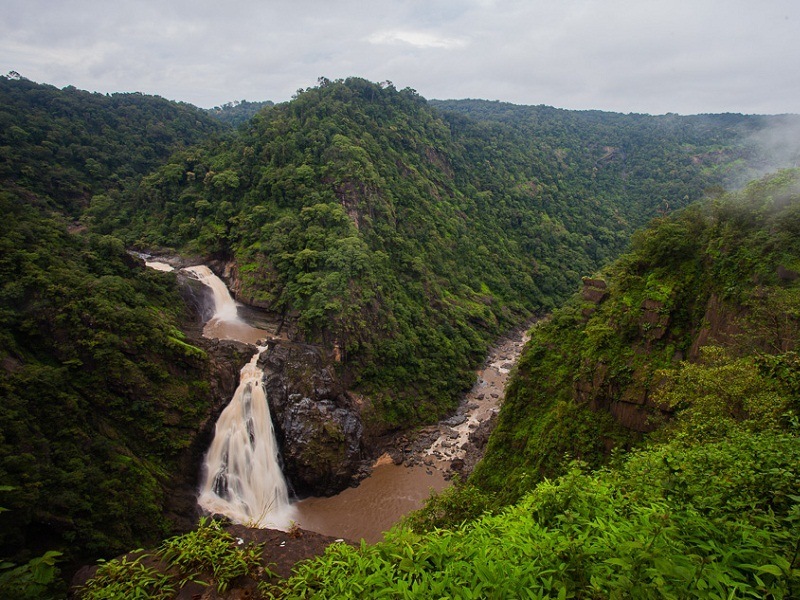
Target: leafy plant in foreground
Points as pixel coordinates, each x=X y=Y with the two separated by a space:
x=210 y=550
x=209 y=555
x=129 y=579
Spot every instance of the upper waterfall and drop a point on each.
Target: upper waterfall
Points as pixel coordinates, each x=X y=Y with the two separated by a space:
x=225 y=324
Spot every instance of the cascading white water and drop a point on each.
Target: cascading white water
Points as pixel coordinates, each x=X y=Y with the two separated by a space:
x=242 y=478
x=225 y=324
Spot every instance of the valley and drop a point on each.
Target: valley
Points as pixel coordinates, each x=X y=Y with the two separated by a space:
x=378 y=245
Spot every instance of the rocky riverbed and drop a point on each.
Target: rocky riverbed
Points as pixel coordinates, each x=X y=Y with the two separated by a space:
x=457 y=443
x=415 y=463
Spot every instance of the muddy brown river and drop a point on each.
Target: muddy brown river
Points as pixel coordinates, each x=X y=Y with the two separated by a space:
x=366 y=511
x=391 y=490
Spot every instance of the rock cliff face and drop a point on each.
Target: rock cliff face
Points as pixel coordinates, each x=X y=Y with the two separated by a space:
x=630 y=399
x=318 y=425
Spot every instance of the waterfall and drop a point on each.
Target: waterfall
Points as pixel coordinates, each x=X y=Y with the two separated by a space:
x=242 y=478
x=225 y=324
x=224 y=305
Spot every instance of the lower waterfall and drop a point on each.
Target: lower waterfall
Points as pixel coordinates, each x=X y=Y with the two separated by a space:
x=242 y=478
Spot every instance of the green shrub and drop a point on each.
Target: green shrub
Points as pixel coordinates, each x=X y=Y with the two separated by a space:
x=123 y=579
x=208 y=555
x=211 y=551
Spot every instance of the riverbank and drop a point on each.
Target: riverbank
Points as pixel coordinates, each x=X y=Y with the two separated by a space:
x=415 y=463
x=456 y=444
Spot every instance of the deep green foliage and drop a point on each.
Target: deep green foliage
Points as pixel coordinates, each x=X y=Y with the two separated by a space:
x=99 y=399
x=67 y=145
x=664 y=160
x=723 y=272
x=409 y=237
x=450 y=508
x=212 y=552
x=35 y=580
x=708 y=507
x=209 y=555
x=100 y=392
x=125 y=578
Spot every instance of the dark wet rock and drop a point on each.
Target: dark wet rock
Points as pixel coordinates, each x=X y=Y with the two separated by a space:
x=457 y=465
x=480 y=436
x=317 y=424
x=198 y=297
x=455 y=420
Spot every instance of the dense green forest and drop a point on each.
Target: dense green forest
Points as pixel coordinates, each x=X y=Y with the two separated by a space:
x=100 y=392
x=705 y=506
x=406 y=233
x=661 y=158
x=69 y=145
x=410 y=237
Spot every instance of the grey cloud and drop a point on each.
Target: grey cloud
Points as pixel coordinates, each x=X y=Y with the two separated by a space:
x=630 y=56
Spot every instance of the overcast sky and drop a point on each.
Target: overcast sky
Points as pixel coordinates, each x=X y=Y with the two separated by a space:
x=683 y=56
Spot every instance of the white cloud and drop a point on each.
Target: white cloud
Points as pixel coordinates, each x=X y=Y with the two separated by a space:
x=418 y=39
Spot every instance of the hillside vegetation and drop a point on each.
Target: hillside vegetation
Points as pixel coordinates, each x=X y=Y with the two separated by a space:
x=69 y=145
x=408 y=238
x=707 y=506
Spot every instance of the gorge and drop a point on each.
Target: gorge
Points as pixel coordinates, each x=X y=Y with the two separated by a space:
x=241 y=475
x=391 y=240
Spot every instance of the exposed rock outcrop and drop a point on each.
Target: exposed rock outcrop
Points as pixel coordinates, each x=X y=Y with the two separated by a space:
x=594 y=290
x=317 y=423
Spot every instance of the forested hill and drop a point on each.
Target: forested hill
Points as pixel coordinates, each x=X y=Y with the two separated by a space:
x=68 y=145
x=697 y=327
x=101 y=396
x=663 y=158
x=408 y=237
